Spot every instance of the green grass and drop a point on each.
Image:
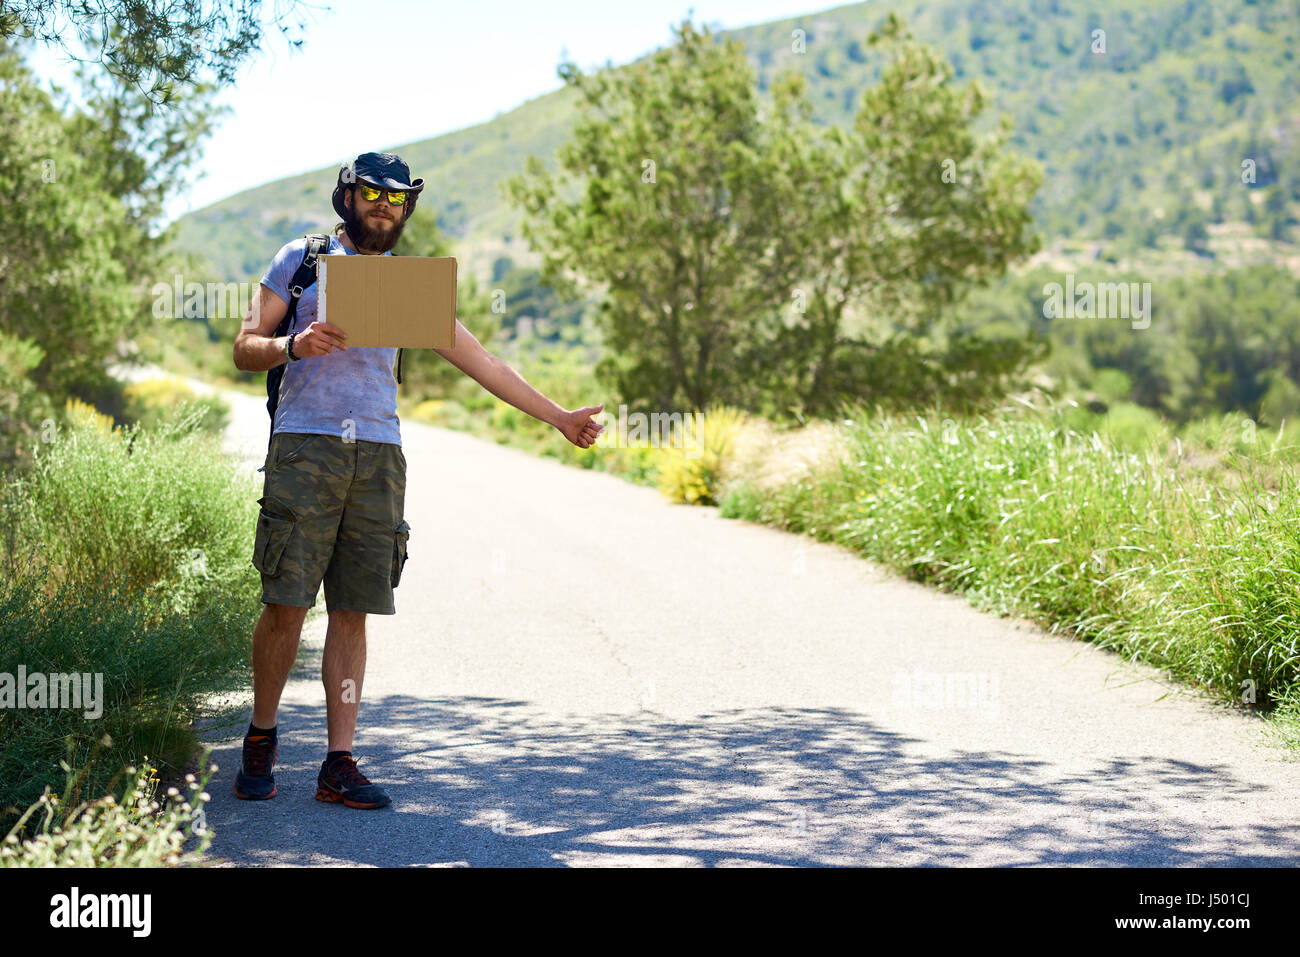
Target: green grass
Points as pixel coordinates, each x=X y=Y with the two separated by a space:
x=125 y=552
x=1193 y=569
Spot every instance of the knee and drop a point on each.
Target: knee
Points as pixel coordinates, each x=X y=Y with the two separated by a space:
x=349 y=622
x=285 y=618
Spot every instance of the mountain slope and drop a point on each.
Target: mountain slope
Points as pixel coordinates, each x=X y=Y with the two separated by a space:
x=1142 y=130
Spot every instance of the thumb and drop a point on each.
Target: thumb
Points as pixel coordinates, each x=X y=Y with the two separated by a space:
x=591 y=409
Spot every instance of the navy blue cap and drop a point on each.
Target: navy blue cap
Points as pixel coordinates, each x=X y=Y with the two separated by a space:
x=385 y=170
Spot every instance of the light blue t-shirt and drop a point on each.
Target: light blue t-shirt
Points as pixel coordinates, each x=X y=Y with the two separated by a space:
x=344 y=392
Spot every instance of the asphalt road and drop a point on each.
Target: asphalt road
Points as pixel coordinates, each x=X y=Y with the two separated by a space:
x=580 y=673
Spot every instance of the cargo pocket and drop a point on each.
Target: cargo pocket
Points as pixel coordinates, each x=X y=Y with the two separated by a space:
x=273 y=533
x=400 y=535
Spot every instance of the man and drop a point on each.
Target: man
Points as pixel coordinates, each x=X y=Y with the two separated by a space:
x=335 y=483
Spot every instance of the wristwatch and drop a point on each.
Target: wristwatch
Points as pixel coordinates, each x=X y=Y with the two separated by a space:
x=288 y=348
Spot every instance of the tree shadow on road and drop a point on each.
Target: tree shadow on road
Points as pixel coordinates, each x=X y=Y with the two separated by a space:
x=492 y=782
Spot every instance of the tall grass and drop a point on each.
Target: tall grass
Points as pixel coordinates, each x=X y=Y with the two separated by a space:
x=1137 y=552
x=153 y=513
x=126 y=553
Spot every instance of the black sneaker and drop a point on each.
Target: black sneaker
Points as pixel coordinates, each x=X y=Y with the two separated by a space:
x=254 y=780
x=341 y=781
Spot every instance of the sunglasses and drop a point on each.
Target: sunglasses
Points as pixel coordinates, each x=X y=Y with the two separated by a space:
x=370 y=194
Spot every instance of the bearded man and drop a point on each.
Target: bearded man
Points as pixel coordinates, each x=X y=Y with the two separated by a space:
x=335 y=479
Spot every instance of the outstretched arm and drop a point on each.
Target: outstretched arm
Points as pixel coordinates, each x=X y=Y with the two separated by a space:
x=495 y=375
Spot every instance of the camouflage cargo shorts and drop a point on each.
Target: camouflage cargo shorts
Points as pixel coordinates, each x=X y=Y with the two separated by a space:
x=332 y=512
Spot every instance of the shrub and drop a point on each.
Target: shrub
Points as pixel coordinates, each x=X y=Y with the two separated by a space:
x=155 y=513
x=691 y=467
x=151 y=403
x=23 y=408
x=133 y=830
x=126 y=553
x=1134 y=427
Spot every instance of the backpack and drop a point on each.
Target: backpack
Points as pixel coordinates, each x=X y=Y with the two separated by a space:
x=317 y=245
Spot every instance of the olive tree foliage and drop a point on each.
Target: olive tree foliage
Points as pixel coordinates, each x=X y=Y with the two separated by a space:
x=61 y=287
x=156 y=46
x=85 y=176
x=673 y=218
x=898 y=216
x=731 y=235
x=82 y=191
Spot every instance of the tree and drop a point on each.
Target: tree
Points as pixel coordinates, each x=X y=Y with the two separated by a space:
x=81 y=196
x=905 y=212
x=152 y=45
x=60 y=286
x=674 y=221
x=1195 y=236
x=730 y=237
x=82 y=189
x=140 y=153
x=524 y=295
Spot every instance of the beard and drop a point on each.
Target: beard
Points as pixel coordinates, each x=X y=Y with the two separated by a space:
x=370 y=238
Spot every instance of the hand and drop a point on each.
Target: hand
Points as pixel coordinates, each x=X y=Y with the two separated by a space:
x=318 y=339
x=577 y=425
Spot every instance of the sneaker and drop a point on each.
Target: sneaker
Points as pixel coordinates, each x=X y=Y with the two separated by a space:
x=341 y=781
x=254 y=780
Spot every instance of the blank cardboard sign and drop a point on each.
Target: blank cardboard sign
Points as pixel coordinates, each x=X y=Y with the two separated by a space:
x=406 y=302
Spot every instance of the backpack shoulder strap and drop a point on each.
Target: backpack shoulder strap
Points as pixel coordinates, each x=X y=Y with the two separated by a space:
x=304 y=276
x=317 y=245
x=399 y=366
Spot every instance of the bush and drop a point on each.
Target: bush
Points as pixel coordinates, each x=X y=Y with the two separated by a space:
x=134 y=829
x=1134 y=427
x=691 y=467
x=158 y=514
x=1239 y=434
x=23 y=408
x=159 y=670
x=742 y=501
x=151 y=403
x=639 y=464
x=126 y=553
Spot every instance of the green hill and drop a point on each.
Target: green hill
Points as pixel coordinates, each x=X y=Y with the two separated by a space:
x=1143 y=130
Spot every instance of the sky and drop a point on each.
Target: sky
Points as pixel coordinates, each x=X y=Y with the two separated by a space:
x=406 y=70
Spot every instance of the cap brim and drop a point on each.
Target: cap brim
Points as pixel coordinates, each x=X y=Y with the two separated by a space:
x=387 y=182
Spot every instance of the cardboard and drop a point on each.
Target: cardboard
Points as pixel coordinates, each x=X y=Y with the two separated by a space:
x=406 y=302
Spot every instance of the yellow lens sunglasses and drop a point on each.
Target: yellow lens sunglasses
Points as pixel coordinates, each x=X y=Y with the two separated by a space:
x=370 y=194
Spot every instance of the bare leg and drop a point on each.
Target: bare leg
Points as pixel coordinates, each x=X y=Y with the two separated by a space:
x=275 y=646
x=343 y=669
